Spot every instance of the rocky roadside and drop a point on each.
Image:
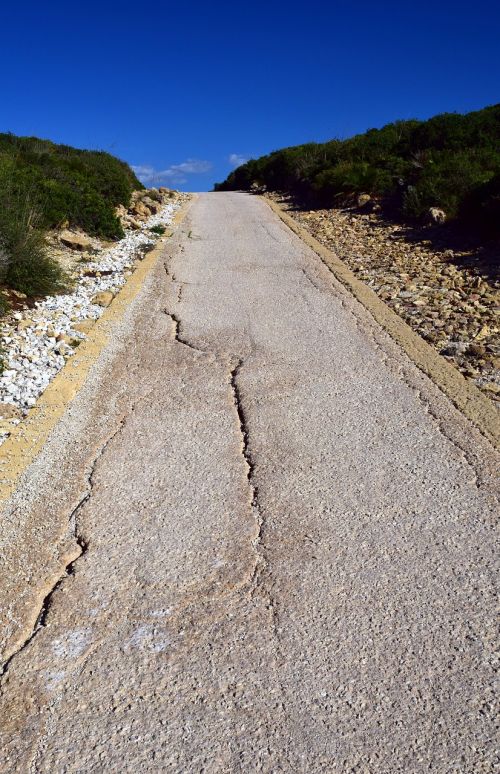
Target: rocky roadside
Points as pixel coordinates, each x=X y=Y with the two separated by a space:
x=36 y=341
x=455 y=308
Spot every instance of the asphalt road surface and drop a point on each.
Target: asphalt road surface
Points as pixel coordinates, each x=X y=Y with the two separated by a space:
x=287 y=555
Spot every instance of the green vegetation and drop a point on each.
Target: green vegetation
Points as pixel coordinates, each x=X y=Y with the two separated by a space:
x=451 y=162
x=24 y=263
x=158 y=230
x=44 y=185
x=67 y=184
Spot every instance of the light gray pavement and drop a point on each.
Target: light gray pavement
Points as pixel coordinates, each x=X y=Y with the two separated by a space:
x=288 y=537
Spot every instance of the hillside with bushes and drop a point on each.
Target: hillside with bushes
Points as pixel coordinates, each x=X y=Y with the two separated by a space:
x=450 y=162
x=44 y=185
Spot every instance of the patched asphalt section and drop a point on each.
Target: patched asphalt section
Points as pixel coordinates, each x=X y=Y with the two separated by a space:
x=288 y=555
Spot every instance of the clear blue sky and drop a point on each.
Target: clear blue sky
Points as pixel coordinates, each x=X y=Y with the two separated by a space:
x=185 y=89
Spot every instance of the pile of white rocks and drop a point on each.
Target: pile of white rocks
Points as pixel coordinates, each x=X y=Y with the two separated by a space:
x=36 y=342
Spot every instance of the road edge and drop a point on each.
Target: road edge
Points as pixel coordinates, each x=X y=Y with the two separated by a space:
x=28 y=438
x=465 y=396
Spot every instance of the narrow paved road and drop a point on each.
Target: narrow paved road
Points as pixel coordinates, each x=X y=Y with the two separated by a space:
x=286 y=531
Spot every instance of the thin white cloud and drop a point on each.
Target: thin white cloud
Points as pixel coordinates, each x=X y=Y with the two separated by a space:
x=175 y=173
x=236 y=160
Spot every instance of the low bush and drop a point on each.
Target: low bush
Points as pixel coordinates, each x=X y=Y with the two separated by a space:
x=67 y=184
x=42 y=186
x=450 y=161
x=25 y=264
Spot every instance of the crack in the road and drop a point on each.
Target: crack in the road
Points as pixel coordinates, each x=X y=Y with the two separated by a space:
x=366 y=329
x=235 y=364
x=233 y=380
x=81 y=543
x=44 y=608
x=315 y=285
x=174 y=317
x=81 y=548
x=234 y=371
x=267 y=229
x=169 y=274
x=258 y=564
x=402 y=373
x=178 y=335
x=261 y=562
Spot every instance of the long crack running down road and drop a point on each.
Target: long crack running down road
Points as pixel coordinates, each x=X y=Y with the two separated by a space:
x=260 y=539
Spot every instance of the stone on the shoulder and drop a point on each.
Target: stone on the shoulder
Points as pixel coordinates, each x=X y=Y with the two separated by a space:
x=103 y=298
x=7 y=411
x=151 y=204
x=435 y=215
x=140 y=211
x=74 y=240
x=363 y=200
x=85 y=326
x=491 y=387
x=26 y=323
x=154 y=193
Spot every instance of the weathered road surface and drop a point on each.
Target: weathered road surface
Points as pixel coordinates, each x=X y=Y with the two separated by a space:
x=287 y=535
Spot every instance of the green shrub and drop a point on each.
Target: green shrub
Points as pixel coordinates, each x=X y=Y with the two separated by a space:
x=25 y=265
x=448 y=161
x=349 y=178
x=158 y=230
x=447 y=179
x=82 y=187
x=412 y=204
x=43 y=185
